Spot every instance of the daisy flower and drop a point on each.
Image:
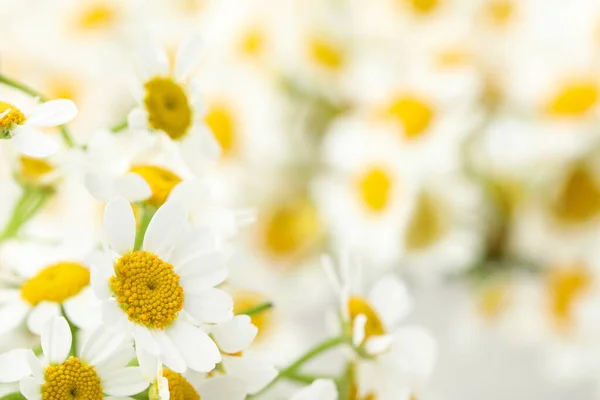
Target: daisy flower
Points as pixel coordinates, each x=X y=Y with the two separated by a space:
x=23 y=128
x=162 y=292
x=398 y=358
x=100 y=371
x=43 y=286
x=170 y=104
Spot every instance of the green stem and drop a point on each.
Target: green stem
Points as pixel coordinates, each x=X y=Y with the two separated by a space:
x=306 y=378
x=147 y=214
x=119 y=127
x=142 y=396
x=34 y=93
x=257 y=309
x=346 y=382
x=74 y=330
x=31 y=201
x=13 y=396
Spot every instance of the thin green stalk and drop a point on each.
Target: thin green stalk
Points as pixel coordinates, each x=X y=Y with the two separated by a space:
x=31 y=201
x=306 y=378
x=74 y=330
x=64 y=131
x=13 y=396
x=119 y=127
x=257 y=309
x=147 y=214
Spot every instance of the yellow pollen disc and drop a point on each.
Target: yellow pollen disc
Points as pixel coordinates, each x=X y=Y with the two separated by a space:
x=574 y=99
x=500 y=12
x=221 y=122
x=326 y=54
x=566 y=284
x=168 y=107
x=179 y=387
x=375 y=188
x=33 y=169
x=13 y=117
x=358 y=305
x=427 y=225
x=97 y=16
x=56 y=283
x=413 y=114
x=246 y=300
x=147 y=289
x=423 y=7
x=160 y=180
x=578 y=201
x=253 y=42
x=71 y=380
x=290 y=227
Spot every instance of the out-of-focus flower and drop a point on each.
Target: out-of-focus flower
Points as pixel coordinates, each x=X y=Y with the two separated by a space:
x=321 y=389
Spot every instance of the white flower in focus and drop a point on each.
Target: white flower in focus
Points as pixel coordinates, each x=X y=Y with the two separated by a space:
x=23 y=128
x=162 y=292
x=169 y=103
x=100 y=371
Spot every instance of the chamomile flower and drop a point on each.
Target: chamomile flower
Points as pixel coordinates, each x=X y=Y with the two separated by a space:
x=99 y=371
x=170 y=104
x=44 y=285
x=23 y=128
x=400 y=358
x=162 y=291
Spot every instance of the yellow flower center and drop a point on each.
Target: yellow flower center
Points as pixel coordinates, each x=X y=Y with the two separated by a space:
x=358 y=305
x=291 y=227
x=413 y=114
x=97 y=16
x=423 y=7
x=168 y=107
x=326 y=54
x=147 y=289
x=574 y=99
x=222 y=123
x=500 y=12
x=375 y=187
x=246 y=300
x=565 y=286
x=160 y=180
x=427 y=225
x=579 y=199
x=56 y=283
x=253 y=42
x=71 y=380
x=34 y=169
x=14 y=116
x=179 y=387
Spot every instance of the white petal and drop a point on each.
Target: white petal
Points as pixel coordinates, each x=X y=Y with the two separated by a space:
x=169 y=354
x=84 y=309
x=391 y=300
x=198 y=349
x=210 y=306
x=256 y=371
x=113 y=316
x=52 y=113
x=144 y=338
x=124 y=382
x=168 y=223
x=321 y=389
x=33 y=143
x=102 y=344
x=163 y=388
x=203 y=280
x=223 y=388
x=56 y=340
x=101 y=269
x=358 y=329
x=235 y=335
x=101 y=187
x=188 y=57
x=148 y=363
x=119 y=225
x=119 y=359
x=41 y=314
x=378 y=344
x=133 y=187
x=194 y=242
x=210 y=266
x=36 y=367
x=14 y=366
x=413 y=352
x=137 y=119
x=151 y=59
x=12 y=315
x=30 y=388
x=200 y=150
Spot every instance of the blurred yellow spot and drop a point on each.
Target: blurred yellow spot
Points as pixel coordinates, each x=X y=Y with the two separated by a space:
x=326 y=54
x=71 y=379
x=245 y=300
x=253 y=42
x=454 y=57
x=565 y=286
x=427 y=224
x=506 y=193
x=574 y=99
x=147 y=289
x=375 y=186
x=579 y=199
x=413 y=114
x=221 y=121
x=493 y=299
x=179 y=387
x=500 y=12
x=168 y=107
x=423 y=7
x=290 y=227
x=34 y=169
x=56 y=283
x=357 y=306
x=10 y=116
x=98 y=15
x=161 y=182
